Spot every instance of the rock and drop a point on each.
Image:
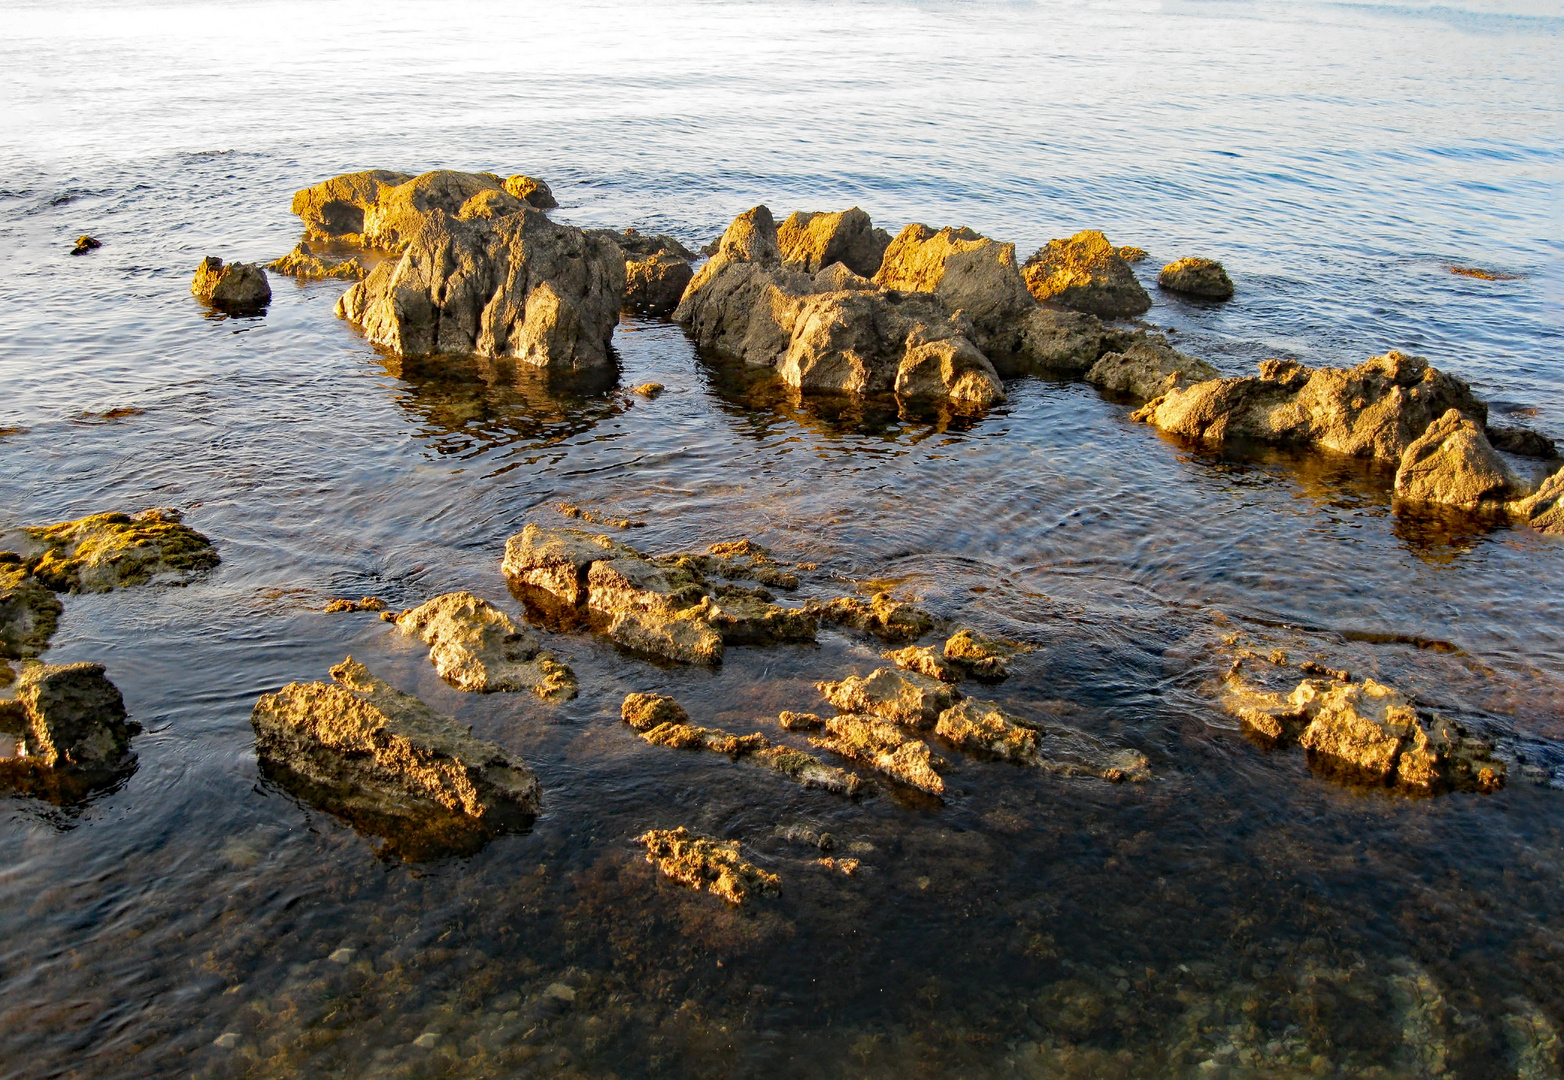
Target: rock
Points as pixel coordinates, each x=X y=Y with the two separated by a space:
x=594 y=517
x=108 y=551
x=657 y=271
x=643 y=712
x=1133 y=254
x=1535 y=1049
x=85 y=243
x=1148 y=369
x=980 y=657
x=752 y=238
x=367 y=747
x=1543 y=511
x=531 y=190
x=1086 y=273
x=1453 y=464
x=334 y=209
x=926 y=662
x=904 y=697
x=651 y=391
x=890 y=620
x=966 y=272
x=75 y=717
x=475 y=646
x=983 y=727
x=1367 y=733
x=1375 y=410
x=1064 y=342
x=667 y=606
x=1522 y=442
x=1194 y=276
x=494 y=279
x=884 y=747
x=367 y=603
x=810 y=242
x=797 y=721
x=301 y=262
x=712 y=865
x=29 y=612
x=233 y=287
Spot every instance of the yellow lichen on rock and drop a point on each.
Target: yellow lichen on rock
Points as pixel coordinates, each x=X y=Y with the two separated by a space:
x=29 y=611
x=108 y=551
x=475 y=646
x=712 y=865
x=884 y=747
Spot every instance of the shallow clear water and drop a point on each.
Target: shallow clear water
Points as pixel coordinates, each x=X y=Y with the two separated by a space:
x=1236 y=910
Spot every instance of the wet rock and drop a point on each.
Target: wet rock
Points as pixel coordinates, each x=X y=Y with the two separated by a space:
x=883 y=746
x=1063 y=342
x=1375 y=410
x=475 y=646
x=1543 y=511
x=712 y=865
x=364 y=746
x=85 y=243
x=1368 y=733
x=657 y=270
x=531 y=190
x=1452 y=463
x=925 y=661
x=1086 y=273
x=1133 y=254
x=810 y=242
x=800 y=721
x=238 y=288
x=1148 y=369
x=643 y=712
x=1522 y=442
x=304 y=263
x=73 y=718
x=594 y=517
x=29 y=611
x=1194 y=276
x=666 y=606
x=342 y=604
x=890 y=620
x=335 y=208
x=108 y=551
x=982 y=727
x=651 y=391
x=904 y=697
x=1533 y=1041
x=980 y=657
x=494 y=277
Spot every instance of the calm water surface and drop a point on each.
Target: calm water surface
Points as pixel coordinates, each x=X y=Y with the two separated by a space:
x=1234 y=917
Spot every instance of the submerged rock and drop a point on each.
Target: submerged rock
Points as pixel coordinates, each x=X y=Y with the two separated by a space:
x=72 y=718
x=239 y=288
x=1452 y=463
x=980 y=657
x=304 y=263
x=108 y=551
x=85 y=243
x=1194 y=276
x=810 y=242
x=29 y=611
x=342 y=604
x=984 y=727
x=890 y=620
x=712 y=865
x=883 y=746
x=666 y=606
x=365 y=747
x=1148 y=369
x=1367 y=733
x=1086 y=273
x=475 y=646
x=904 y=697
x=1375 y=410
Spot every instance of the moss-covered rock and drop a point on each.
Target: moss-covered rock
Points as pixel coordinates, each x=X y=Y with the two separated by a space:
x=109 y=551
x=29 y=612
x=712 y=865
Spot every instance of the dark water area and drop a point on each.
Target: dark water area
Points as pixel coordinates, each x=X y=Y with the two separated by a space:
x=1235 y=916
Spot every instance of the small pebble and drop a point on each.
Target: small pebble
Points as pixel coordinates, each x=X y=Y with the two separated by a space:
x=342 y=956
x=227 y=1040
x=427 y=1040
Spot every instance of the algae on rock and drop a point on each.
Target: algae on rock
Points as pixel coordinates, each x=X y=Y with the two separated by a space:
x=475 y=646
x=890 y=620
x=712 y=865
x=29 y=611
x=108 y=551
x=883 y=746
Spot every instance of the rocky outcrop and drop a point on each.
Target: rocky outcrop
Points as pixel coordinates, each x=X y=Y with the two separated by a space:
x=810 y=242
x=1452 y=463
x=29 y=611
x=1194 y=276
x=894 y=621
x=334 y=209
x=980 y=657
x=926 y=662
x=903 y=697
x=108 y=551
x=712 y=865
x=884 y=747
x=86 y=243
x=237 y=288
x=1149 y=368
x=303 y=262
x=366 y=748
x=1375 y=410
x=1367 y=733
x=531 y=190
x=657 y=271
x=475 y=646
x=661 y=721
x=1522 y=442
x=71 y=718
x=1086 y=273
x=985 y=728
x=668 y=606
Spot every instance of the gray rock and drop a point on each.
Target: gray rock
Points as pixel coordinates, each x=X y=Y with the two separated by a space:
x=1148 y=369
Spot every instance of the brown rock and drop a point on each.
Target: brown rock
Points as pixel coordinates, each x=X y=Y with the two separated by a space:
x=304 y=263
x=810 y=242
x=75 y=717
x=367 y=603
x=1133 y=254
x=334 y=209
x=712 y=865
x=475 y=646
x=1086 y=273
x=890 y=620
x=1543 y=511
x=904 y=697
x=1453 y=464
x=85 y=243
x=926 y=662
x=532 y=191
x=980 y=657
x=884 y=747
x=657 y=271
x=967 y=272
x=1148 y=369
x=233 y=287
x=1194 y=276
x=1522 y=442
x=797 y=721
x=982 y=727
x=29 y=611
x=108 y=551
x=643 y=712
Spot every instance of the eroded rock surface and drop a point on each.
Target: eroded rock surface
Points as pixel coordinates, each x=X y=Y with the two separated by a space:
x=475 y=646
x=72 y=718
x=532 y=191
x=365 y=746
x=1543 y=511
x=1086 y=273
x=108 y=551
x=1375 y=410
x=1367 y=733
x=1147 y=369
x=903 y=697
x=986 y=728
x=1452 y=463
x=883 y=746
x=657 y=270
x=303 y=262
x=810 y=242
x=1194 y=276
x=980 y=657
x=926 y=662
x=668 y=606
x=895 y=621
x=29 y=611
x=712 y=865
x=239 y=288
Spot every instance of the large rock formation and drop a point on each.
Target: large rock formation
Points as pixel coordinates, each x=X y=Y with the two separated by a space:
x=334 y=209
x=1367 y=733
x=109 y=551
x=1148 y=369
x=363 y=747
x=810 y=242
x=1375 y=410
x=657 y=270
x=237 y=288
x=1194 y=276
x=712 y=865
x=29 y=612
x=475 y=646
x=1086 y=273
x=667 y=606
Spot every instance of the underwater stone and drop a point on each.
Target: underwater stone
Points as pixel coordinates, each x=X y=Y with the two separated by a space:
x=904 y=697
x=883 y=746
x=712 y=865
